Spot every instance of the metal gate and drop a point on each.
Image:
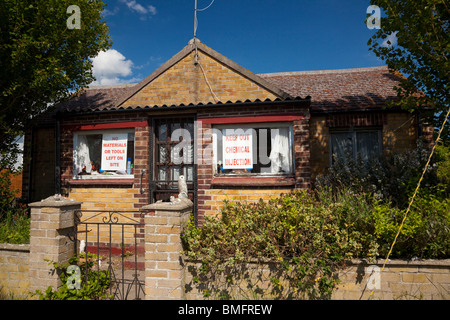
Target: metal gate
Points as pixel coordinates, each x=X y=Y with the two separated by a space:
x=103 y=239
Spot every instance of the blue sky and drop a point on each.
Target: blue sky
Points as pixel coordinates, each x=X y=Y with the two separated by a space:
x=261 y=35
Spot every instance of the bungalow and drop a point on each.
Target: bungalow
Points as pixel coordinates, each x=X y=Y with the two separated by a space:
x=231 y=133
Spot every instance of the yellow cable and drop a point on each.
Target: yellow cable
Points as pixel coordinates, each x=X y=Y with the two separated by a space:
x=413 y=196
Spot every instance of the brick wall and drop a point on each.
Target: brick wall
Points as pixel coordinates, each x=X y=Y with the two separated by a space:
x=185 y=83
x=14 y=264
x=320 y=148
x=212 y=200
x=16 y=182
x=22 y=267
x=117 y=198
x=400 y=133
x=400 y=280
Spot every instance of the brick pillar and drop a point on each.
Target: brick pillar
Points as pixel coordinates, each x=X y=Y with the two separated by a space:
x=52 y=222
x=164 y=272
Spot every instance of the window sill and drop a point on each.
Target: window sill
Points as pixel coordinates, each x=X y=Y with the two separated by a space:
x=247 y=181
x=102 y=181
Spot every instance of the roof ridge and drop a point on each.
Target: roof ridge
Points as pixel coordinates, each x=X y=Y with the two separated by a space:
x=331 y=71
x=110 y=86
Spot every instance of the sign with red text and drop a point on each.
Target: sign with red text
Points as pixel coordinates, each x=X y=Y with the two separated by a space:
x=237 y=149
x=114 y=151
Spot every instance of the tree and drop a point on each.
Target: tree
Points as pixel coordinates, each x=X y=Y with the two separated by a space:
x=421 y=30
x=44 y=57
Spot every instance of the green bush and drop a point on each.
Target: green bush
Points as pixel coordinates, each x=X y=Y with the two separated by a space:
x=425 y=233
x=391 y=178
x=302 y=235
x=443 y=163
x=392 y=182
x=93 y=285
x=309 y=236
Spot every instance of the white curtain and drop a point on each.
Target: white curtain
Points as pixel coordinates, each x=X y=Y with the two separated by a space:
x=280 y=153
x=83 y=158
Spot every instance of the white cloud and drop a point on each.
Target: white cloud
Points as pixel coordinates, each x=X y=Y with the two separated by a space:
x=109 y=67
x=107 y=12
x=391 y=40
x=133 y=5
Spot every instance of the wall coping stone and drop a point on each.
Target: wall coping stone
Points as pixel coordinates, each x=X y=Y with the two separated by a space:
x=404 y=262
x=179 y=204
x=25 y=247
x=54 y=201
x=438 y=263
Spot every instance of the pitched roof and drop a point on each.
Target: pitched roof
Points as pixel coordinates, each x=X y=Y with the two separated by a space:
x=104 y=98
x=197 y=46
x=330 y=90
x=95 y=98
x=340 y=90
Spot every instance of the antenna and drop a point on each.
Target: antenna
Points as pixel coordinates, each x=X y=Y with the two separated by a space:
x=195 y=20
x=195 y=34
x=195 y=16
x=195 y=26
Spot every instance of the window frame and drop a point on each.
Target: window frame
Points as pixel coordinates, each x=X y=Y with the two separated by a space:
x=353 y=131
x=256 y=125
x=169 y=165
x=76 y=176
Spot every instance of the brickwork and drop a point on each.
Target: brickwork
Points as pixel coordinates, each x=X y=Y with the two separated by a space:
x=105 y=198
x=164 y=274
x=16 y=182
x=320 y=146
x=400 y=280
x=185 y=83
x=167 y=276
x=409 y=280
x=116 y=198
x=14 y=280
x=400 y=133
x=212 y=199
x=50 y=226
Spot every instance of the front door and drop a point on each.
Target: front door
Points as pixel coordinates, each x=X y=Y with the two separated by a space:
x=173 y=156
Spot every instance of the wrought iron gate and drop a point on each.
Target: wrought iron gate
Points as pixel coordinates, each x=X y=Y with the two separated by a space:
x=101 y=239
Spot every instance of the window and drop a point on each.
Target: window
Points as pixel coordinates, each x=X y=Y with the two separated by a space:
x=259 y=149
x=355 y=143
x=174 y=151
x=103 y=154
